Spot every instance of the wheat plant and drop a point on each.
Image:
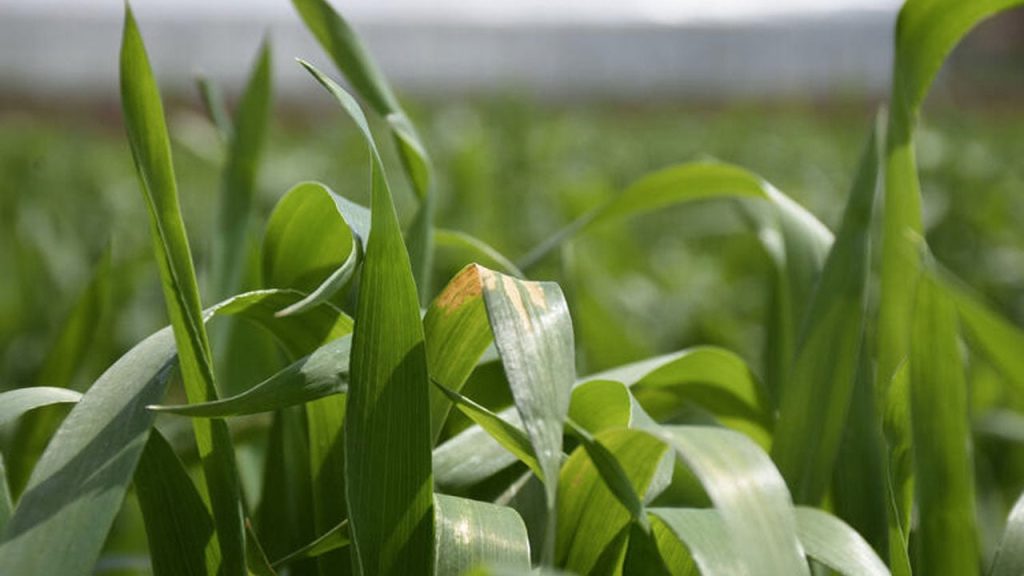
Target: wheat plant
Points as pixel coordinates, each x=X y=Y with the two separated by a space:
x=849 y=450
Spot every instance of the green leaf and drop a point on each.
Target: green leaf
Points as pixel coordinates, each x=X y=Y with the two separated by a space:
x=333 y=539
x=470 y=533
x=77 y=487
x=147 y=137
x=747 y=491
x=255 y=558
x=713 y=378
x=508 y=435
x=322 y=373
x=313 y=243
x=600 y=494
x=1009 y=558
x=830 y=541
x=16 y=402
x=944 y=471
x=235 y=203
x=178 y=526
x=710 y=545
x=389 y=514
x=926 y=32
x=816 y=394
x=213 y=101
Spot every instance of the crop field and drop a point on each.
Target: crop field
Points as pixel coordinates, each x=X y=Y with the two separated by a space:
x=375 y=336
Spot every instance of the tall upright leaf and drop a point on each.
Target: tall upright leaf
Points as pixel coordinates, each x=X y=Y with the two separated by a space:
x=150 y=146
x=943 y=466
x=235 y=203
x=388 y=480
x=815 y=396
x=926 y=32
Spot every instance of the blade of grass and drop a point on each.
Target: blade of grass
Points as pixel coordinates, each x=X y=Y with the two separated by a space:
x=817 y=391
x=943 y=467
x=474 y=250
x=255 y=558
x=77 y=487
x=333 y=539
x=748 y=492
x=322 y=373
x=926 y=32
x=389 y=514
x=470 y=533
x=235 y=203
x=179 y=528
x=15 y=403
x=147 y=136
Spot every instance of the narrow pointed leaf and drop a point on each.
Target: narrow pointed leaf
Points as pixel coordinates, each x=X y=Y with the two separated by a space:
x=16 y=402
x=944 y=470
x=389 y=514
x=511 y=437
x=150 y=146
x=335 y=538
x=236 y=200
x=470 y=533
x=322 y=373
x=255 y=558
x=6 y=505
x=816 y=394
x=468 y=249
x=178 y=525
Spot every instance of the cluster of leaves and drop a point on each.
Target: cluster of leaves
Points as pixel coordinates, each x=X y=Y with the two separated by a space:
x=851 y=453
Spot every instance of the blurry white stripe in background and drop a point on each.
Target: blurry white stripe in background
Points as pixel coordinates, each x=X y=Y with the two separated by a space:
x=642 y=49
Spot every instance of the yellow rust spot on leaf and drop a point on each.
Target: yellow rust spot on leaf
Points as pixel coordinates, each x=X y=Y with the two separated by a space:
x=466 y=286
x=512 y=292
x=536 y=294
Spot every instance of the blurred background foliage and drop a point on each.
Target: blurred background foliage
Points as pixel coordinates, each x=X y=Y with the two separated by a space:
x=511 y=172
